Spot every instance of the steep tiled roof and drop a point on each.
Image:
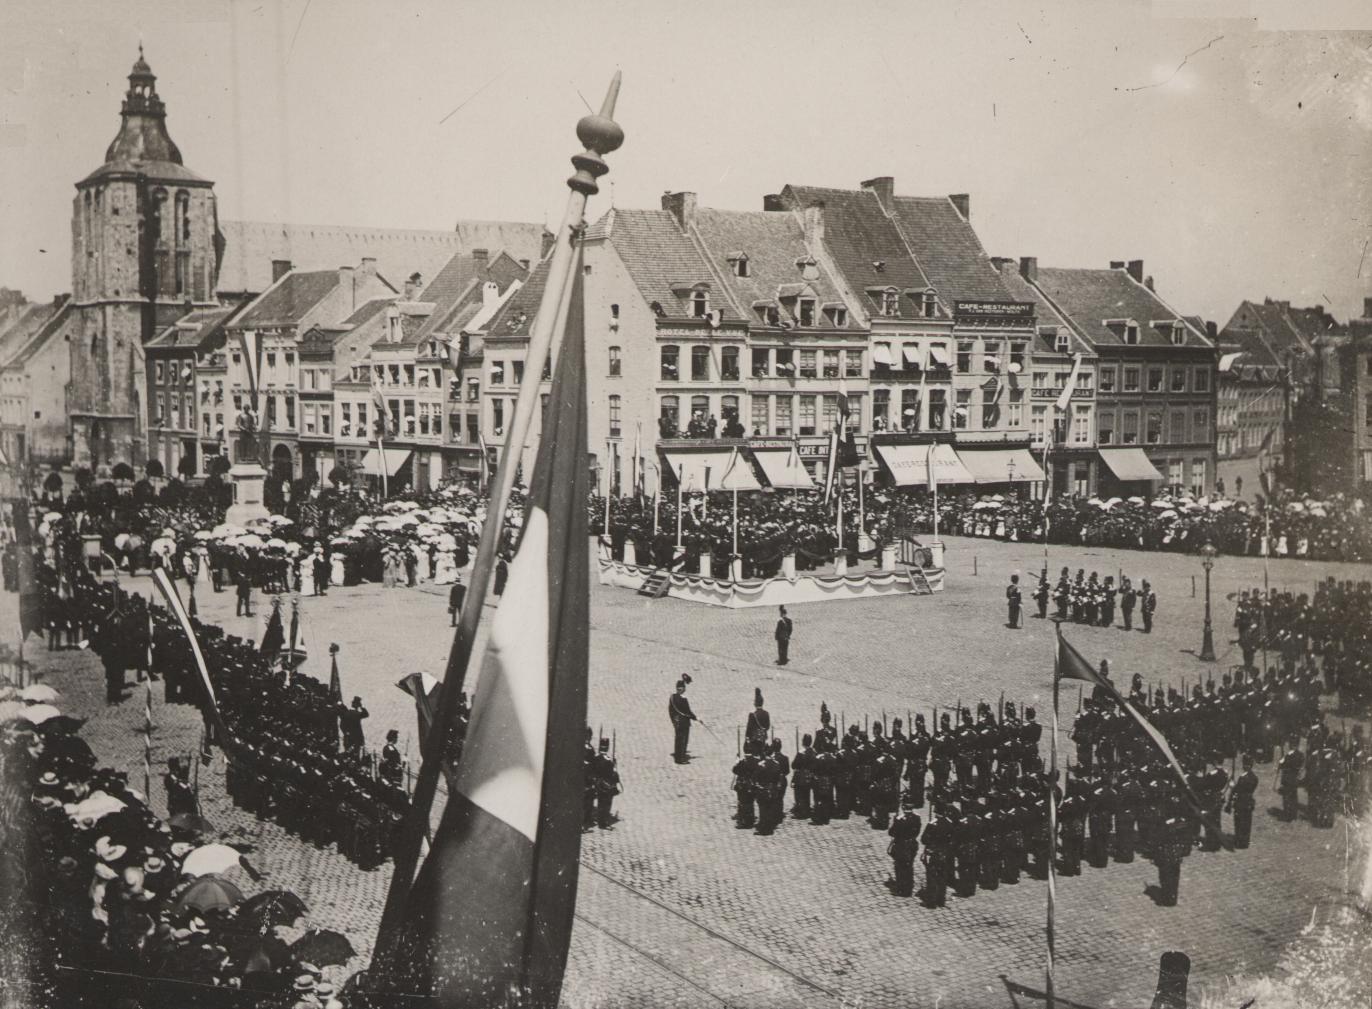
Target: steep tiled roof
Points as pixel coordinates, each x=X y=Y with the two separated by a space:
x=660 y=258
x=773 y=244
x=195 y=330
x=1249 y=342
x=26 y=322
x=1090 y=297
x=516 y=316
x=1019 y=289
x=858 y=235
x=293 y=296
x=948 y=250
x=250 y=247
x=365 y=311
x=456 y=291
x=39 y=338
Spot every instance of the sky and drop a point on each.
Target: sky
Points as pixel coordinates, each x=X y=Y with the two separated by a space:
x=1231 y=153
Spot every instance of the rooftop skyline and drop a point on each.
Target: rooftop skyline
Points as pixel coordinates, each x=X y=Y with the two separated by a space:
x=1231 y=159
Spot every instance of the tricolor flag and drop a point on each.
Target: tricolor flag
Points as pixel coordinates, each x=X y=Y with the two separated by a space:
x=178 y=611
x=424 y=689
x=251 y=348
x=1267 y=474
x=1066 y=396
x=335 y=681
x=831 y=476
x=383 y=414
x=30 y=594
x=1070 y=665
x=490 y=912
x=929 y=469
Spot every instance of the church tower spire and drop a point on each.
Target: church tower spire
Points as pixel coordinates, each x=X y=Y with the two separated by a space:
x=143 y=132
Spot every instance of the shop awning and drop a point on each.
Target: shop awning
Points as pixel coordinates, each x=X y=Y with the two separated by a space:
x=993 y=465
x=782 y=470
x=700 y=471
x=1129 y=464
x=913 y=354
x=395 y=458
x=881 y=353
x=939 y=354
x=910 y=464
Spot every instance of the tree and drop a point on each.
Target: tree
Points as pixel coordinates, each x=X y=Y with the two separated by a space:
x=186 y=467
x=173 y=494
x=53 y=483
x=155 y=469
x=122 y=471
x=143 y=494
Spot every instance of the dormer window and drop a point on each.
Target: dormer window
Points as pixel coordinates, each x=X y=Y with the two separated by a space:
x=928 y=304
x=769 y=314
x=838 y=316
x=888 y=302
x=740 y=264
x=1131 y=333
x=700 y=304
x=1178 y=334
x=1060 y=343
x=805 y=312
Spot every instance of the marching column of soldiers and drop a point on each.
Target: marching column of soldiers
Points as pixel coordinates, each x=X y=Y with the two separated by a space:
x=1091 y=600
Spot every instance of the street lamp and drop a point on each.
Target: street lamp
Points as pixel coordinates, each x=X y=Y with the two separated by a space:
x=1207 y=652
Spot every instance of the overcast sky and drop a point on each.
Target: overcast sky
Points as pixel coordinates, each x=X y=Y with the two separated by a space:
x=1232 y=155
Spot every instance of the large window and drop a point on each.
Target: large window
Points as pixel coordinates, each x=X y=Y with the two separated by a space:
x=783 y=416
x=1081 y=424
x=831 y=363
x=1178 y=379
x=1016 y=358
x=1202 y=379
x=160 y=371
x=1200 y=424
x=669 y=416
x=728 y=415
x=1016 y=409
x=700 y=364
x=762 y=362
x=828 y=413
x=518 y=372
x=965 y=356
x=1131 y=380
x=498 y=416
x=805 y=313
x=670 y=358
x=497 y=373
x=1107 y=378
x=1129 y=428
x=852 y=364
x=786 y=367
x=881 y=409
x=1177 y=433
x=909 y=409
x=855 y=412
x=1105 y=427
x=700 y=304
x=938 y=409
x=308 y=414
x=808 y=367
x=1198 y=468
x=1155 y=380
x=1038 y=419
x=963 y=412
x=806 y=423
x=614 y=362
x=728 y=364
x=760 y=418
x=614 y=416
x=1154 y=430
x=990 y=412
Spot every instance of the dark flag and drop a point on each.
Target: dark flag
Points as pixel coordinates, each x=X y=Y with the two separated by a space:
x=1267 y=472
x=335 y=682
x=489 y=916
x=424 y=689
x=274 y=637
x=30 y=594
x=183 y=620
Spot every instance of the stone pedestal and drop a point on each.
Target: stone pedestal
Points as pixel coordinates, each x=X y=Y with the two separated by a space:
x=841 y=563
x=703 y=567
x=936 y=553
x=248 y=481
x=788 y=567
x=630 y=553
x=888 y=558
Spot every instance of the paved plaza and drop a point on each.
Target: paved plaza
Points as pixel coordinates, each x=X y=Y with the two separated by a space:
x=679 y=907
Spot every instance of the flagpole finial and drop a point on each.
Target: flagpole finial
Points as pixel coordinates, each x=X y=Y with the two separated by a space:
x=600 y=134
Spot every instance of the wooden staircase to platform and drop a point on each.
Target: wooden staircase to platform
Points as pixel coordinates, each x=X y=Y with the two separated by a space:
x=919 y=584
x=655 y=586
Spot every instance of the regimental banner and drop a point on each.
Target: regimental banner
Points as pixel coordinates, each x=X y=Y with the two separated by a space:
x=1020 y=312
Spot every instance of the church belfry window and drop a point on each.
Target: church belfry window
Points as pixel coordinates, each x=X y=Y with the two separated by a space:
x=183 y=215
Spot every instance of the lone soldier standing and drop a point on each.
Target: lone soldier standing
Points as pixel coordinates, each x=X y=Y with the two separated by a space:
x=1013 y=599
x=679 y=711
x=904 y=846
x=783 y=638
x=1128 y=597
x=456 y=596
x=1148 y=602
x=1242 y=800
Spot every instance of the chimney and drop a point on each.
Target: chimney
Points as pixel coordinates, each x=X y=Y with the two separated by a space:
x=280 y=267
x=524 y=263
x=1367 y=308
x=548 y=239
x=348 y=283
x=1148 y=282
x=999 y=262
x=1212 y=331
x=480 y=254
x=772 y=201
x=1029 y=268
x=963 y=201
x=814 y=223
x=413 y=284
x=1135 y=269
x=682 y=206
x=884 y=186
x=1117 y=264
x=369 y=265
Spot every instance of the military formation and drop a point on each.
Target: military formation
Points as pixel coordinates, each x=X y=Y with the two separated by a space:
x=1091 y=600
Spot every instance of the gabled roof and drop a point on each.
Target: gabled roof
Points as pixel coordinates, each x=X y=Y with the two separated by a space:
x=1253 y=349
x=365 y=311
x=290 y=299
x=1088 y=298
x=39 y=338
x=859 y=235
x=661 y=258
x=27 y=321
x=251 y=246
x=1046 y=316
x=516 y=316
x=948 y=250
x=199 y=331
x=456 y=292
x=1282 y=327
x=774 y=244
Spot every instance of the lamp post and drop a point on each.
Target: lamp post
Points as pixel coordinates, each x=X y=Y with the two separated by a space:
x=1010 y=471
x=1207 y=652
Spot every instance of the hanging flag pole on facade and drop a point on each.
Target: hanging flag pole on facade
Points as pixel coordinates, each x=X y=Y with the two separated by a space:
x=600 y=135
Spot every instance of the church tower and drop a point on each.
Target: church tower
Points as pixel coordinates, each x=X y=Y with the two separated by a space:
x=145 y=250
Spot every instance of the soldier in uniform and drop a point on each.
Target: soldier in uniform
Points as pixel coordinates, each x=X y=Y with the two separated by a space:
x=885 y=789
x=917 y=762
x=1078 y=596
x=1062 y=594
x=1091 y=603
x=943 y=747
x=588 y=758
x=1128 y=801
x=826 y=731
x=1013 y=601
x=938 y=857
x=845 y=778
x=1148 y=604
x=606 y=785
x=822 y=773
x=1101 y=808
x=769 y=783
x=744 y=771
x=1107 y=602
x=801 y=778
x=1084 y=733
x=1041 y=594
x=967 y=833
x=1173 y=845
x=1242 y=799
x=1289 y=779
x=758 y=734
x=966 y=739
x=1128 y=598
x=1030 y=731
x=1072 y=827
x=904 y=831
x=391 y=770
x=681 y=715
x=992 y=834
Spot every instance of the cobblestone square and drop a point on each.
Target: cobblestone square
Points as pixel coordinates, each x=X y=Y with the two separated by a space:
x=679 y=907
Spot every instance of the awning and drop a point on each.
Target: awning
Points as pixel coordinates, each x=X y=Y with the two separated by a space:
x=881 y=353
x=780 y=471
x=1227 y=360
x=1129 y=464
x=395 y=459
x=938 y=353
x=913 y=354
x=700 y=471
x=909 y=464
x=993 y=465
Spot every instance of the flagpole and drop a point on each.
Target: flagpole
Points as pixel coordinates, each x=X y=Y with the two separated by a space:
x=609 y=476
x=1052 y=828
x=600 y=135
x=731 y=559
x=680 y=474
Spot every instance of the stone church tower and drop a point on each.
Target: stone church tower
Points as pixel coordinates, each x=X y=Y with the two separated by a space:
x=146 y=249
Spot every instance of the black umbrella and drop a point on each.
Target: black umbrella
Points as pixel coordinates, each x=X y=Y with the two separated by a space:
x=272 y=907
x=322 y=947
x=190 y=823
